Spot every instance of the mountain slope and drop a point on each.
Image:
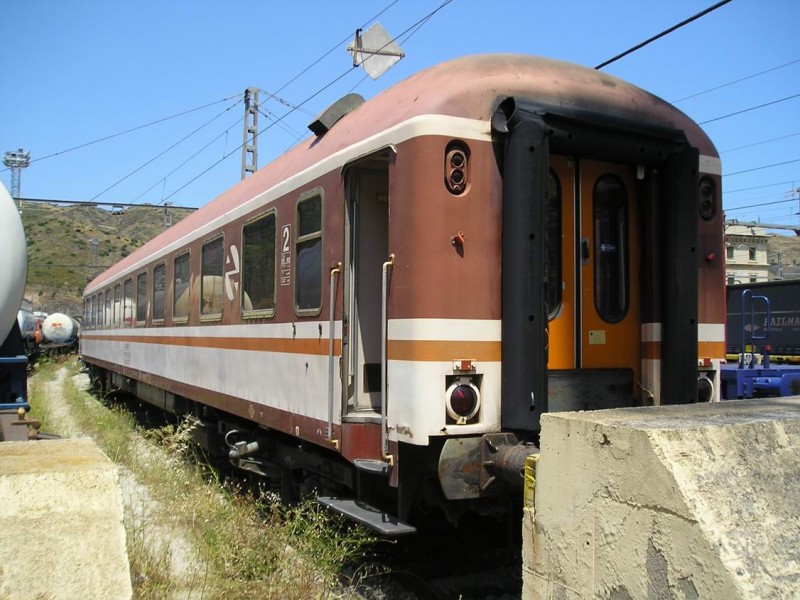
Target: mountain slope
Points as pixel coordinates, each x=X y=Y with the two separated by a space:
x=62 y=257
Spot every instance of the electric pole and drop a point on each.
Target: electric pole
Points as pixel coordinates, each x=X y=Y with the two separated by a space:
x=167 y=216
x=94 y=243
x=250 y=135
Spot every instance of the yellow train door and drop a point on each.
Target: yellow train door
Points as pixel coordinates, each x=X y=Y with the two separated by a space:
x=595 y=324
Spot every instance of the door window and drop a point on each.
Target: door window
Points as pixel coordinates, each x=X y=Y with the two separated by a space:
x=611 y=294
x=553 y=243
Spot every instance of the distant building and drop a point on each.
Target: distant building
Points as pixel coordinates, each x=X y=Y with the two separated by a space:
x=746 y=254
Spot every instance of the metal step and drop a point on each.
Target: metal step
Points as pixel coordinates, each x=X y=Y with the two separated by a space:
x=368 y=465
x=370 y=516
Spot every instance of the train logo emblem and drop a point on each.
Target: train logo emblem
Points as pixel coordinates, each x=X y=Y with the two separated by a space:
x=232 y=285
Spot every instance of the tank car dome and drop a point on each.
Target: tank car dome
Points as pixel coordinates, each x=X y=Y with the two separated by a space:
x=59 y=328
x=15 y=258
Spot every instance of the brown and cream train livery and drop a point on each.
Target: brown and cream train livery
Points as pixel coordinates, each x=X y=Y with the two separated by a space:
x=383 y=313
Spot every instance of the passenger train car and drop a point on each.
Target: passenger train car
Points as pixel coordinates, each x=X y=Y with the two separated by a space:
x=383 y=314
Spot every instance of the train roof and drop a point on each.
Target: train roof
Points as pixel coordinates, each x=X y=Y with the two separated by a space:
x=470 y=88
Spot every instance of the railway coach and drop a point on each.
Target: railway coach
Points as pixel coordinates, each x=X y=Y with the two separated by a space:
x=382 y=314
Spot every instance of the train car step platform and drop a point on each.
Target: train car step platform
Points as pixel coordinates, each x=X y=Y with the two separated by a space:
x=370 y=516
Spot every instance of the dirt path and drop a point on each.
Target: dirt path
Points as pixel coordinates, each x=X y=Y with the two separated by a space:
x=153 y=535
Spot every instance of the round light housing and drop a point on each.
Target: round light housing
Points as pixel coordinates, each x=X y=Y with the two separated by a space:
x=456 y=167
x=708 y=199
x=705 y=389
x=462 y=401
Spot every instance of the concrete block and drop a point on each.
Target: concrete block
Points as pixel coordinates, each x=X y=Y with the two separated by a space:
x=695 y=501
x=61 y=521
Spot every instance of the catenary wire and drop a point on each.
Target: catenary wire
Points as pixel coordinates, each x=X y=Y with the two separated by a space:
x=760 y=187
x=739 y=112
x=783 y=137
x=139 y=168
x=333 y=49
x=662 y=34
x=724 y=85
x=403 y=41
x=273 y=94
x=761 y=204
x=308 y=99
x=238 y=121
x=786 y=162
x=132 y=129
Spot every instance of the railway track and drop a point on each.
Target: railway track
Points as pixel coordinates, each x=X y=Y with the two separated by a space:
x=477 y=560
x=481 y=559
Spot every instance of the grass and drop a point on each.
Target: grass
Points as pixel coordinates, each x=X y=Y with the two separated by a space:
x=189 y=536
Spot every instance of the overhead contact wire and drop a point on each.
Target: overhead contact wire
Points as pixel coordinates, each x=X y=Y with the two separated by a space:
x=132 y=129
x=311 y=97
x=167 y=149
x=662 y=34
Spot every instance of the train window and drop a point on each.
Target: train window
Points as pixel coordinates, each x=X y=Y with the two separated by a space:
x=180 y=287
x=258 y=266
x=107 y=319
x=553 y=242
x=141 y=297
x=88 y=309
x=117 y=305
x=159 y=292
x=211 y=281
x=127 y=306
x=308 y=253
x=610 y=249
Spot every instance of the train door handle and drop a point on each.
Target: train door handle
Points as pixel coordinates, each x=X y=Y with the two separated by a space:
x=585 y=250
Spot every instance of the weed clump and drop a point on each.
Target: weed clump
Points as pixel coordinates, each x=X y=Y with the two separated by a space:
x=190 y=536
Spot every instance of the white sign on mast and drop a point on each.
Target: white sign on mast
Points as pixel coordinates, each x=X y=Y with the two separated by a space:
x=375 y=50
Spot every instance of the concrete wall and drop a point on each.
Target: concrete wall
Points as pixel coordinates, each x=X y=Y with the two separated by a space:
x=60 y=522
x=699 y=501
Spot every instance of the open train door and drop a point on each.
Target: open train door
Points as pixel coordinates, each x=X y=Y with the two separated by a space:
x=594 y=261
x=367 y=248
x=364 y=367
x=364 y=364
x=599 y=262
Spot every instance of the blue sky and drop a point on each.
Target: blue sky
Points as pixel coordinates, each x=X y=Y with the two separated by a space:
x=75 y=72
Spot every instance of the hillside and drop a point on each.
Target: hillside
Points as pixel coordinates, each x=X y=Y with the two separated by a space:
x=61 y=257
x=789 y=248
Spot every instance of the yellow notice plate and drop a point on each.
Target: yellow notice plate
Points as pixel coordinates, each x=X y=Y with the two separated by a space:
x=597 y=337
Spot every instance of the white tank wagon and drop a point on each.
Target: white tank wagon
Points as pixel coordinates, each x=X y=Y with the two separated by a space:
x=13 y=362
x=59 y=328
x=28 y=328
x=15 y=257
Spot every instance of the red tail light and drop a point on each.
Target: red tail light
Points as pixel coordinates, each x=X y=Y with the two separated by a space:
x=463 y=401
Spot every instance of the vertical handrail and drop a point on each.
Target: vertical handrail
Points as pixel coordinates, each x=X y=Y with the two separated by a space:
x=384 y=341
x=753 y=337
x=331 y=333
x=745 y=294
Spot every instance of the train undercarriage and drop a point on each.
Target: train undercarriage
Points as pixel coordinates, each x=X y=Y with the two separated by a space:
x=439 y=483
